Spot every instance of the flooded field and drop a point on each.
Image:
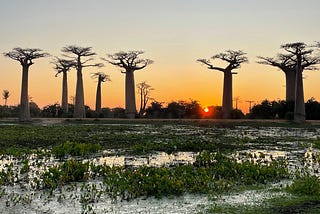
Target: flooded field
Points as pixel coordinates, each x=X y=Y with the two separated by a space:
x=45 y=170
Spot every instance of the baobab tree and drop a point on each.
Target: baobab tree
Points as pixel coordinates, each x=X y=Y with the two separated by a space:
x=101 y=77
x=285 y=64
x=144 y=90
x=301 y=55
x=234 y=60
x=63 y=66
x=288 y=65
x=5 y=96
x=80 y=52
x=129 y=62
x=25 y=57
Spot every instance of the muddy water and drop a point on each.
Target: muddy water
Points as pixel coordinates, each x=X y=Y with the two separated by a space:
x=21 y=198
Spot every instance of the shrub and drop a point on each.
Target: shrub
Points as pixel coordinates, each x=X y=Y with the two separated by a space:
x=306 y=185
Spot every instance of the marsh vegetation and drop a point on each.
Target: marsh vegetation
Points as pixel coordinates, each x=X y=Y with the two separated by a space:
x=99 y=167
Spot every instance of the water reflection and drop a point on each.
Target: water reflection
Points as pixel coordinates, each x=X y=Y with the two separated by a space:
x=154 y=160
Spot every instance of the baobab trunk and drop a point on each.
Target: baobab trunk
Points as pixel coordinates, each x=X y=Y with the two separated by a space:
x=79 y=111
x=64 y=101
x=299 y=108
x=290 y=86
x=130 y=95
x=24 y=99
x=227 y=95
x=98 y=97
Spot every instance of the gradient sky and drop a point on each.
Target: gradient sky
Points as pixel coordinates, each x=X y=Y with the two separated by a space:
x=173 y=33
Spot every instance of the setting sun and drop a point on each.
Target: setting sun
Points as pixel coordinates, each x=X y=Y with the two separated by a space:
x=206 y=110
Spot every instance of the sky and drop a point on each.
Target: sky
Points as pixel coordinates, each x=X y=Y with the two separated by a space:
x=173 y=33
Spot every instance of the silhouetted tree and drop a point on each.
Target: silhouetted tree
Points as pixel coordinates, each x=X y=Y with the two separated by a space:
x=287 y=63
x=234 y=60
x=176 y=109
x=144 y=90
x=301 y=55
x=5 y=96
x=25 y=56
x=80 y=52
x=35 y=111
x=236 y=114
x=54 y=110
x=280 y=109
x=63 y=66
x=118 y=112
x=101 y=77
x=312 y=109
x=155 y=110
x=192 y=109
x=284 y=63
x=130 y=62
x=262 y=111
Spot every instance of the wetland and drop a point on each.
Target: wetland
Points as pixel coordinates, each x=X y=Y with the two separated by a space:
x=130 y=166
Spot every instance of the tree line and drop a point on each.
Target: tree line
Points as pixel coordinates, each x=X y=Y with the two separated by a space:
x=296 y=58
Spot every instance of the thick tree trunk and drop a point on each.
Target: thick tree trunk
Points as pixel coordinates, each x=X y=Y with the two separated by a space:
x=98 y=97
x=24 y=99
x=130 y=95
x=290 y=85
x=64 y=101
x=227 y=95
x=79 y=110
x=299 y=108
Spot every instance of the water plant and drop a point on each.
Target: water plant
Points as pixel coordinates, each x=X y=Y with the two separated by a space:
x=75 y=149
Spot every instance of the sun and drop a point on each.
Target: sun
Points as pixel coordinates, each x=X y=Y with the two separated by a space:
x=206 y=110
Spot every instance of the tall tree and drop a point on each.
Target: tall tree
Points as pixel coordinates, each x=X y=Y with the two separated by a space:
x=234 y=60
x=301 y=55
x=63 y=66
x=288 y=65
x=80 y=52
x=101 y=77
x=284 y=63
x=25 y=57
x=130 y=62
x=144 y=90
x=5 y=96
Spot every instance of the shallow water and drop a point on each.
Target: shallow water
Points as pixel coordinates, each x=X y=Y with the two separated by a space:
x=288 y=145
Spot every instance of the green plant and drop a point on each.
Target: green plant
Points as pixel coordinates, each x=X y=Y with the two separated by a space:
x=305 y=185
x=75 y=149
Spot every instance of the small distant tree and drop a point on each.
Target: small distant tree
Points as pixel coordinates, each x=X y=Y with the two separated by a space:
x=101 y=77
x=52 y=110
x=129 y=62
x=193 y=109
x=80 y=53
x=5 y=96
x=176 y=109
x=234 y=60
x=144 y=90
x=63 y=66
x=155 y=110
x=25 y=57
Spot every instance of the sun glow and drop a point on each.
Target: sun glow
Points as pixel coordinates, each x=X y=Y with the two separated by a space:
x=206 y=110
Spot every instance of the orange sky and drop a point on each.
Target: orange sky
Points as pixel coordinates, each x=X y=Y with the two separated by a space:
x=173 y=34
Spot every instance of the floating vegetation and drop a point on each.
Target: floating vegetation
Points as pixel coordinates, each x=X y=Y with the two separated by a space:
x=94 y=167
